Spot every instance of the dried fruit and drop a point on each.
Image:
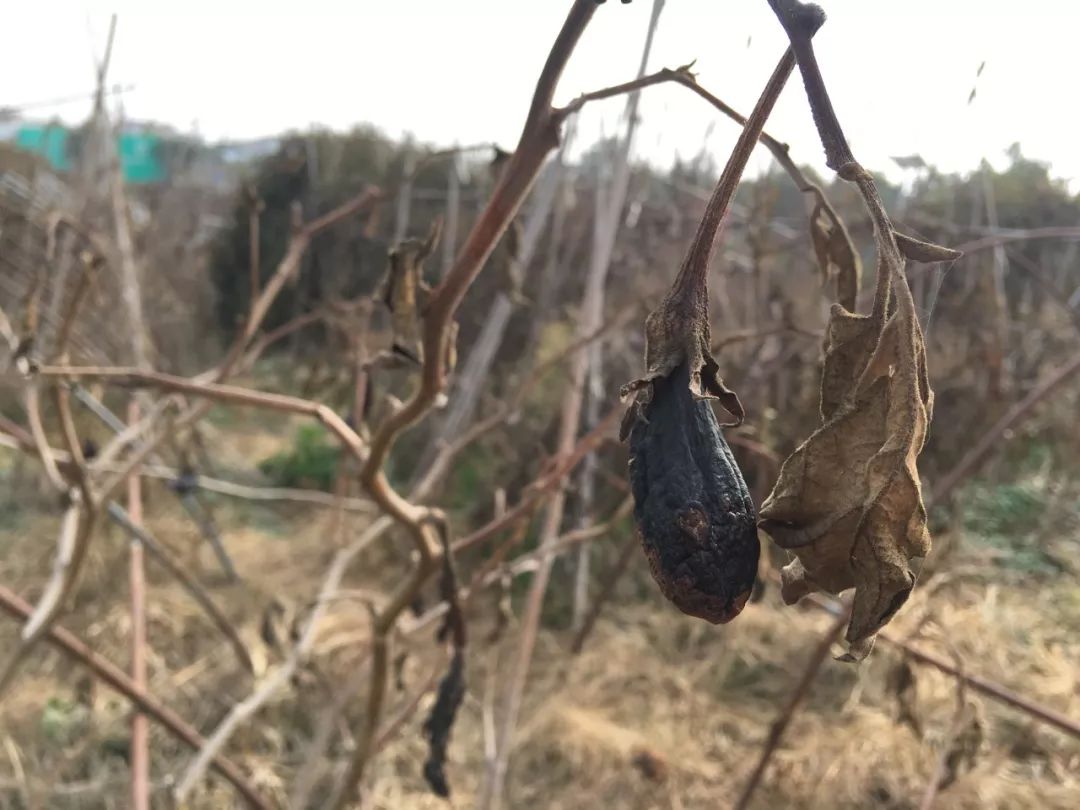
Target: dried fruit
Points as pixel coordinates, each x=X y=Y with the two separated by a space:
x=440 y=722
x=451 y=692
x=691 y=503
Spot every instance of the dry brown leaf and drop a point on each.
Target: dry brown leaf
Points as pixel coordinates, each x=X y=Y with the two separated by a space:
x=848 y=501
x=402 y=291
x=678 y=332
x=836 y=255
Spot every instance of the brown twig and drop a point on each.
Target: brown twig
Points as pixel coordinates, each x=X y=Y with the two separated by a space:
x=127 y=376
x=539 y=489
x=16 y=437
x=630 y=546
x=783 y=719
x=985 y=686
x=118 y=515
x=978 y=453
x=505 y=411
x=112 y=676
x=540 y=135
x=273 y=682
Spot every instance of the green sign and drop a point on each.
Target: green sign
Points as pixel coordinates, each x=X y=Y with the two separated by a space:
x=139 y=152
x=49 y=141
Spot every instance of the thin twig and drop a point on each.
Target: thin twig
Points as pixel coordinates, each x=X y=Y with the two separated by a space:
x=119 y=515
x=113 y=677
x=630 y=545
x=783 y=719
x=15 y=437
x=127 y=376
x=274 y=681
x=990 y=440
x=991 y=689
x=205 y=527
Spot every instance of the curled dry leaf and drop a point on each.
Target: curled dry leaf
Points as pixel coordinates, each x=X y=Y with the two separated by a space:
x=451 y=692
x=835 y=253
x=403 y=291
x=676 y=333
x=848 y=501
x=920 y=251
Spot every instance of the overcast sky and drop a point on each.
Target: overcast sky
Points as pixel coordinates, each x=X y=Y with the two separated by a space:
x=463 y=70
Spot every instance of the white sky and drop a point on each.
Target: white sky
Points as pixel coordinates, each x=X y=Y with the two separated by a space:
x=463 y=70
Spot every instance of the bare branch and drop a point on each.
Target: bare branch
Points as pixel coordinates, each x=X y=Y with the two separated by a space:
x=783 y=719
x=127 y=376
x=71 y=646
x=990 y=440
x=120 y=516
x=283 y=674
x=985 y=686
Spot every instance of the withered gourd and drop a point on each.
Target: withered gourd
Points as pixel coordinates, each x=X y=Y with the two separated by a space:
x=692 y=506
x=693 y=510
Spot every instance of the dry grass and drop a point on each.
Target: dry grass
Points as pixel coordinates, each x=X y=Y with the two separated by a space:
x=659 y=711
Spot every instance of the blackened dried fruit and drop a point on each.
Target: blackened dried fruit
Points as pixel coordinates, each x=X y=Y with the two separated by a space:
x=692 y=506
x=440 y=722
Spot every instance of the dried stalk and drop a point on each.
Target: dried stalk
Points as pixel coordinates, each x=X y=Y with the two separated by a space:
x=609 y=214
x=539 y=135
x=119 y=516
x=783 y=719
x=991 y=689
x=990 y=440
x=116 y=679
x=283 y=674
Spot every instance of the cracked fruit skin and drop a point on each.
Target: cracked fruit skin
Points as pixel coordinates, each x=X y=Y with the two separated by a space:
x=692 y=507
